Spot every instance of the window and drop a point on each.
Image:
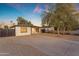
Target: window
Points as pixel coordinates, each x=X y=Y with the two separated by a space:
x=23 y=29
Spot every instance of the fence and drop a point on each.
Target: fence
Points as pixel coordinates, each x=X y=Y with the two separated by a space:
x=7 y=32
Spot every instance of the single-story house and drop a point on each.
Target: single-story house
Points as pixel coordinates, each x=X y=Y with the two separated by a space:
x=22 y=30
x=26 y=30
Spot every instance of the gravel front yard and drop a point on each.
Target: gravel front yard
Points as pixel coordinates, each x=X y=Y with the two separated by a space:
x=39 y=45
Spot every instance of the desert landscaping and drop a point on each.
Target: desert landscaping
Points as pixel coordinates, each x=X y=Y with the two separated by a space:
x=39 y=45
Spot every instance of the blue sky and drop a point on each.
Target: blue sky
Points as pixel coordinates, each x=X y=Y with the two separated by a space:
x=10 y=12
x=32 y=12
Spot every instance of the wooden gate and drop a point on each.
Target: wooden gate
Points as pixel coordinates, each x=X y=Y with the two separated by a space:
x=7 y=32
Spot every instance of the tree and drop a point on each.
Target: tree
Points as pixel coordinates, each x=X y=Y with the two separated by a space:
x=30 y=24
x=46 y=19
x=61 y=17
x=6 y=27
x=65 y=13
x=22 y=22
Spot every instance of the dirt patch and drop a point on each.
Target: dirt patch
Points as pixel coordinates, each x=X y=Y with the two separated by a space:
x=68 y=37
x=9 y=47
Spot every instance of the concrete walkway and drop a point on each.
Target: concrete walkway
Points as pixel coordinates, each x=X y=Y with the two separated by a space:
x=52 y=46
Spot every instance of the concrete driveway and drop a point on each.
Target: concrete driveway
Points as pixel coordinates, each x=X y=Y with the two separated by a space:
x=40 y=45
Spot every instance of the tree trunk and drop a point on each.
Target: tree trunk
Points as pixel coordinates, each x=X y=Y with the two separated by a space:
x=63 y=30
x=58 y=32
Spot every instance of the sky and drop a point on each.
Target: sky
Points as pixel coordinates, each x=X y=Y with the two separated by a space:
x=29 y=11
x=32 y=12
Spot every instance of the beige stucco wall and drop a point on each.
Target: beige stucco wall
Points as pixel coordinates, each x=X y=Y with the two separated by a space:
x=18 y=32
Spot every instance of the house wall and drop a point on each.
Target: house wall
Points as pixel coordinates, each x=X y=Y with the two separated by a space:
x=19 y=33
x=34 y=31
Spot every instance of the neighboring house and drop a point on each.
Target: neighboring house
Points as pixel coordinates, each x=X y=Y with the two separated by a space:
x=9 y=25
